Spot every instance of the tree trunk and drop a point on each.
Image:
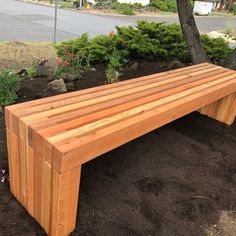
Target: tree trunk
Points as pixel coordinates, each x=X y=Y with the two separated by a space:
x=230 y=61
x=229 y=4
x=190 y=32
x=221 y=5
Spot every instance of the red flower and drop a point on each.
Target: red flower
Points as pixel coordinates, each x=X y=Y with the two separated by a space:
x=111 y=34
x=67 y=63
x=68 y=53
x=59 y=61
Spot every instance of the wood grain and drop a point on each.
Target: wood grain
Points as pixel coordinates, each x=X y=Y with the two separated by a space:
x=223 y=110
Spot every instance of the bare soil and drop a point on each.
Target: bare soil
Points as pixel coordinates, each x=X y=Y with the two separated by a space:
x=177 y=180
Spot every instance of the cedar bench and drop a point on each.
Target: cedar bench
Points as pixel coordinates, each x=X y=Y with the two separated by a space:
x=49 y=139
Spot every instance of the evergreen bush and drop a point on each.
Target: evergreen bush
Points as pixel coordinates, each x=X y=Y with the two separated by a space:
x=148 y=41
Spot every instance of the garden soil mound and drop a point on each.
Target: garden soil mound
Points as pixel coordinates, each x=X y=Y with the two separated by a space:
x=176 y=180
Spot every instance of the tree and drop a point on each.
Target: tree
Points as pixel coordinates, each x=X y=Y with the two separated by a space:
x=222 y=2
x=190 y=32
x=192 y=36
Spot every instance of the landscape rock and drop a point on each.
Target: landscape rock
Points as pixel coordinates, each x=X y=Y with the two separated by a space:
x=68 y=77
x=133 y=66
x=70 y=85
x=42 y=70
x=175 y=65
x=58 y=85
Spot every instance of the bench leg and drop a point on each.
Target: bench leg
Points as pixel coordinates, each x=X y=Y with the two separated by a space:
x=64 y=192
x=223 y=110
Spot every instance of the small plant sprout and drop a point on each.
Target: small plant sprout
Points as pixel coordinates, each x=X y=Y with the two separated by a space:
x=114 y=66
x=32 y=71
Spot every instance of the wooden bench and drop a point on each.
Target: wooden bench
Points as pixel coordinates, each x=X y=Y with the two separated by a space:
x=49 y=139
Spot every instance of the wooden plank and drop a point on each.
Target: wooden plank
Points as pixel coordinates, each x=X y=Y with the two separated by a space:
x=46 y=198
x=30 y=180
x=23 y=163
x=39 y=162
x=65 y=191
x=223 y=110
x=16 y=164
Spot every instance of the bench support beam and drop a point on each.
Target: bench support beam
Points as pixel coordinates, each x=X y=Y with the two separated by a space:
x=223 y=110
x=65 y=192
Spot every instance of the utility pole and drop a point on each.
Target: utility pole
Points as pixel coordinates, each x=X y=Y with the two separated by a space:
x=55 y=22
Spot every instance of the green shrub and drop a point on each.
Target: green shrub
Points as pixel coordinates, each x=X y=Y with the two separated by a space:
x=124 y=8
x=164 y=5
x=234 y=10
x=149 y=41
x=75 y=57
x=217 y=49
x=9 y=86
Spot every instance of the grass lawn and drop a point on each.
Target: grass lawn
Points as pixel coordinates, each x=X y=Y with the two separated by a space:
x=18 y=55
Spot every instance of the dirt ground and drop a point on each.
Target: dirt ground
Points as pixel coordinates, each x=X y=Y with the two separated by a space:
x=178 y=180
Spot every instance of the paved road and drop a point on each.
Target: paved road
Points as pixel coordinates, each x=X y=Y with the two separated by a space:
x=22 y=21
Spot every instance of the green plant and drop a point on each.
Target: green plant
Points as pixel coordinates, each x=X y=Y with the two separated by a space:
x=32 y=71
x=152 y=41
x=146 y=40
x=234 y=9
x=74 y=57
x=124 y=8
x=216 y=49
x=164 y=5
x=9 y=86
x=230 y=28
x=114 y=67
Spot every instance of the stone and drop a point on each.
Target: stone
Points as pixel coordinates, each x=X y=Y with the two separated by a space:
x=175 y=65
x=70 y=85
x=58 y=85
x=133 y=66
x=68 y=77
x=42 y=70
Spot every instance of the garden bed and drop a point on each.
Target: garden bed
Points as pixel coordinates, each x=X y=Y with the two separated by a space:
x=177 y=180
